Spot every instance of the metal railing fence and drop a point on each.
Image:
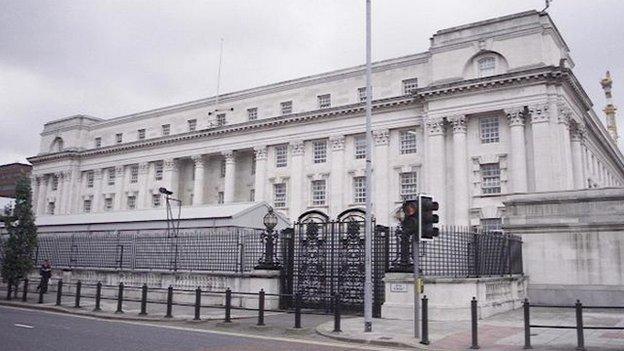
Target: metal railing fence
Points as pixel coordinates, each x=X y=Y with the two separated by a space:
x=461 y=252
x=224 y=249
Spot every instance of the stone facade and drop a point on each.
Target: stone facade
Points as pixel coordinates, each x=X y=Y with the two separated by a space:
x=491 y=109
x=573 y=244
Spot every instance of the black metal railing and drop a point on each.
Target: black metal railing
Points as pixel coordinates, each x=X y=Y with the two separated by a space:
x=458 y=252
x=225 y=249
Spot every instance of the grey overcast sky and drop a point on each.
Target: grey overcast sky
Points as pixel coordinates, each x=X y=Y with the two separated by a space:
x=112 y=58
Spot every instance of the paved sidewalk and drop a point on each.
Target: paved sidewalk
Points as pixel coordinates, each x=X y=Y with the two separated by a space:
x=501 y=332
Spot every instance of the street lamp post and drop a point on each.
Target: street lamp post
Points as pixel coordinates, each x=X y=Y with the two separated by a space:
x=368 y=234
x=269 y=236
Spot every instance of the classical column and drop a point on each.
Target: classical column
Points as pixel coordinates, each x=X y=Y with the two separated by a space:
x=144 y=198
x=119 y=187
x=170 y=177
x=578 y=166
x=296 y=180
x=229 y=185
x=543 y=160
x=565 y=148
x=35 y=183
x=460 y=174
x=336 y=175
x=61 y=195
x=74 y=189
x=436 y=164
x=198 y=183
x=43 y=195
x=98 y=202
x=260 y=176
x=517 y=150
x=381 y=182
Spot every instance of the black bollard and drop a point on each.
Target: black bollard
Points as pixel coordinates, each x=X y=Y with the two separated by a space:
x=78 y=290
x=98 y=296
x=261 y=307
x=25 y=291
x=40 y=296
x=337 y=314
x=143 y=300
x=297 y=311
x=424 y=336
x=169 y=301
x=120 y=298
x=228 y=305
x=197 y=303
x=580 y=337
x=59 y=292
x=473 y=319
x=527 y=325
x=16 y=289
x=8 y=297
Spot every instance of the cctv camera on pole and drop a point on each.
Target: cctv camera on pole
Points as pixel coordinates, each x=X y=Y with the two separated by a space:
x=173 y=224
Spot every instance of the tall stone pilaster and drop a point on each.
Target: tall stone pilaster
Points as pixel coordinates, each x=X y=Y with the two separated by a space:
x=198 y=183
x=260 y=153
x=381 y=199
x=144 y=199
x=336 y=175
x=296 y=180
x=565 y=147
x=119 y=188
x=577 y=133
x=436 y=164
x=460 y=174
x=517 y=149
x=229 y=186
x=170 y=176
x=543 y=160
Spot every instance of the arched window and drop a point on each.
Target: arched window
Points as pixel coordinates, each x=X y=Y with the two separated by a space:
x=486 y=66
x=57 y=145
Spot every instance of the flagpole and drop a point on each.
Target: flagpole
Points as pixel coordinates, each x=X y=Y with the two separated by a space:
x=368 y=235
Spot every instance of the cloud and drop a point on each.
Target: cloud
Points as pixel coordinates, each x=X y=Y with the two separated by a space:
x=111 y=58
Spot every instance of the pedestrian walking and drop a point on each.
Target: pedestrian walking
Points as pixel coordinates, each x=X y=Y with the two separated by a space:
x=45 y=271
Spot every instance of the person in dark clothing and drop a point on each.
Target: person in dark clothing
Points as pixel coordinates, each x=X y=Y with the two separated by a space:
x=45 y=272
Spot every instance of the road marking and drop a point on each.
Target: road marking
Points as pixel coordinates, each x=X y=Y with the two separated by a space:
x=23 y=326
x=346 y=345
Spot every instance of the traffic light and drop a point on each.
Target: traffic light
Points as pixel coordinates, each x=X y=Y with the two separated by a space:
x=428 y=218
x=410 y=220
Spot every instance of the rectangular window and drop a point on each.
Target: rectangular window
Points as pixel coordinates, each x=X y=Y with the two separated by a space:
x=221 y=121
x=407 y=139
x=134 y=173
x=252 y=113
x=410 y=86
x=360 y=147
x=490 y=178
x=86 y=205
x=252 y=195
x=158 y=170
x=319 y=151
x=98 y=142
x=362 y=94
x=166 y=129
x=155 y=200
x=281 y=155
x=119 y=138
x=55 y=182
x=286 y=107
x=487 y=66
x=220 y=197
x=192 y=125
x=359 y=190
x=489 y=225
x=90 y=177
x=318 y=192
x=108 y=203
x=51 y=207
x=279 y=195
x=111 y=176
x=324 y=101
x=141 y=134
x=489 y=130
x=131 y=202
x=222 y=168
x=409 y=186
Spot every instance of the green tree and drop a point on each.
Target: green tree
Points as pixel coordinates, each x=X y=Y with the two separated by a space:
x=22 y=241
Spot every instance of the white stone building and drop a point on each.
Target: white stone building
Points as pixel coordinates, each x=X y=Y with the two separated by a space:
x=491 y=109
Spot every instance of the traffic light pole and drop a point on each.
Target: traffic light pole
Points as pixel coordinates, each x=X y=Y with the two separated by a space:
x=416 y=259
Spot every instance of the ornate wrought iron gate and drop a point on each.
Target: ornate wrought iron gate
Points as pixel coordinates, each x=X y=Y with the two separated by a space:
x=324 y=259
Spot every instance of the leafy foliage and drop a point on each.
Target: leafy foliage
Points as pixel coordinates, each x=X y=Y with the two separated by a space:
x=22 y=241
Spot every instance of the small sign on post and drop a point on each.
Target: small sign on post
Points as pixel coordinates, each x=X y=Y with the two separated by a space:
x=398 y=287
